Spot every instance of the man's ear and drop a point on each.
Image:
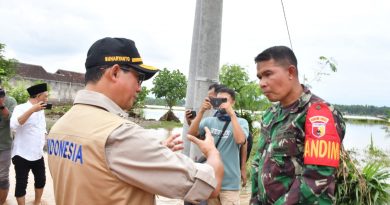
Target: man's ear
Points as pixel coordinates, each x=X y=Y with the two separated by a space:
x=112 y=73
x=292 y=71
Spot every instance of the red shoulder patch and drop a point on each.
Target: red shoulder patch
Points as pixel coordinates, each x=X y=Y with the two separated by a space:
x=322 y=142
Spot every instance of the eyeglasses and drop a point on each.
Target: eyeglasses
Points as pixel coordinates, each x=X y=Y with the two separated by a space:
x=141 y=76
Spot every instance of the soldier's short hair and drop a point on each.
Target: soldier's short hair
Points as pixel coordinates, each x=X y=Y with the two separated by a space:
x=280 y=54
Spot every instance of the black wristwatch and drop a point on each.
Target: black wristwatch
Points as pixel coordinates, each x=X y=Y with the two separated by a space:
x=2 y=107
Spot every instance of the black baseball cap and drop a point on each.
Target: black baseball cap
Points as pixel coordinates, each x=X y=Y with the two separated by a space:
x=110 y=51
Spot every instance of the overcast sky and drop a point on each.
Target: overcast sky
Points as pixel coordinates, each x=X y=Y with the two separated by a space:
x=56 y=34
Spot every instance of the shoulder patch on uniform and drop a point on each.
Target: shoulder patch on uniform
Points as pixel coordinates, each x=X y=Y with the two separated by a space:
x=318 y=125
x=322 y=142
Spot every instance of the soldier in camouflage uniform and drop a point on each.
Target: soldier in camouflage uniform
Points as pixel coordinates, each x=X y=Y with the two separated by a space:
x=279 y=172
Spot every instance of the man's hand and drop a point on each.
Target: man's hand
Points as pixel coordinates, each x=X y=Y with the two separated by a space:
x=243 y=176
x=228 y=108
x=206 y=105
x=4 y=112
x=38 y=106
x=35 y=108
x=173 y=143
x=206 y=146
x=2 y=101
x=189 y=117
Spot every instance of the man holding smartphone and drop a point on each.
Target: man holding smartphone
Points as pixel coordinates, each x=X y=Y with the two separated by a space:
x=211 y=93
x=29 y=124
x=191 y=114
x=229 y=132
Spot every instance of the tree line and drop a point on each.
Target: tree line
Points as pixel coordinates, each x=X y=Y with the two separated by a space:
x=161 y=102
x=368 y=110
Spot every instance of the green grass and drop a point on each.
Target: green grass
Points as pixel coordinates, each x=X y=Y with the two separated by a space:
x=365 y=122
x=366 y=183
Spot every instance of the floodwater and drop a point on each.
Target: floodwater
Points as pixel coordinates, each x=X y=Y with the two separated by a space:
x=357 y=136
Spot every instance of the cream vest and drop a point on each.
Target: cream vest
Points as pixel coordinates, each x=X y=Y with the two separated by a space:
x=77 y=162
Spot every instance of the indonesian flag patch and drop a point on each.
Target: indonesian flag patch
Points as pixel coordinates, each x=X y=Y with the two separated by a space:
x=322 y=142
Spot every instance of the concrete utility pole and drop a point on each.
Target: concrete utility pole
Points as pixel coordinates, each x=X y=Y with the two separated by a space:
x=204 y=61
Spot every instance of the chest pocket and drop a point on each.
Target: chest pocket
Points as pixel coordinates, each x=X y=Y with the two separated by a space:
x=264 y=140
x=284 y=145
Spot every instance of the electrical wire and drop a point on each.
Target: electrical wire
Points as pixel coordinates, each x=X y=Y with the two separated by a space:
x=285 y=19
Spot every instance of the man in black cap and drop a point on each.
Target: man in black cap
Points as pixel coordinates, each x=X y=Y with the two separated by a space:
x=29 y=124
x=97 y=156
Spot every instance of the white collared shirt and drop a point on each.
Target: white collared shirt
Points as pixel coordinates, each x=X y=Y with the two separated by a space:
x=29 y=137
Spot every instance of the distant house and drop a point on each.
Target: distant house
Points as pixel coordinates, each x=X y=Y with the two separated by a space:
x=63 y=84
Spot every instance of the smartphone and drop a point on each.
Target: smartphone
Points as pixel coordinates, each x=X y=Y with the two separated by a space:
x=48 y=106
x=216 y=102
x=193 y=114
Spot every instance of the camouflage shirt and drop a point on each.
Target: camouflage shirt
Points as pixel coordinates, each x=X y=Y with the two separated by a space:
x=279 y=175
